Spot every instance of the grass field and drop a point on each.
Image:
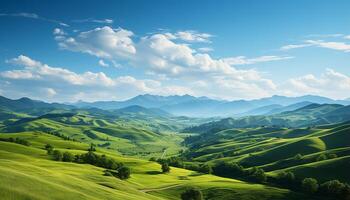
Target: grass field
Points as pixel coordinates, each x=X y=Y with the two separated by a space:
x=27 y=172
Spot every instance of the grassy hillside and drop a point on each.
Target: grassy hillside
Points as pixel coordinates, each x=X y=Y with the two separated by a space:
x=305 y=151
x=123 y=138
x=310 y=115
x=27 y=172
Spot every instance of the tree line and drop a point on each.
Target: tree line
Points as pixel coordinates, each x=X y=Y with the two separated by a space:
x=112 y=167
x=16 y=140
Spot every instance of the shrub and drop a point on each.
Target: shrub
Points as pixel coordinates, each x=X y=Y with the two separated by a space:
x=333 y=187
x=286 y=178
x=231 y=170
x=259 y=176
x=205 y=168
x=192 y=194
x=309 y=185
x=298 y=157
x=67 y=157
x=124 y=172
x=49 y=148
x=165 y=168
x=57 y=155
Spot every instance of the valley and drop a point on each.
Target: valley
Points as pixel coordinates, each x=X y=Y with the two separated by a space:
x=309 y=142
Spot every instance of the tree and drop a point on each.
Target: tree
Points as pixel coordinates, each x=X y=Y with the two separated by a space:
x=67 y=157
x=165 y=168
x=287 y=179
x=259 y=176
x=92 y=147
x=309 y=185
x=49 y=148
x=124 y=172
x=192 y=194
x=298 y=157
x=205 y=168
x=333 y=187
x=57 y=155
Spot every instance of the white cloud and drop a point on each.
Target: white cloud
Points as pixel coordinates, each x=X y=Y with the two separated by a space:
x=92 y=20
x=340 y=46
x=294 y=46
x=102 y=42
x=50 y=92
x=242 y=60
x=347 y=37
x=41 y=81
x=331 y=84
x=33 y=16
x=102 y=63
x=205 y=49
x=163 y=56
x=58 y=31
x=193 y=36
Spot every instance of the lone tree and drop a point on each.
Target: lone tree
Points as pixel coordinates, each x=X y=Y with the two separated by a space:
x=124 y=173
x=192 y=194
x=309 y=185
x=165 y=168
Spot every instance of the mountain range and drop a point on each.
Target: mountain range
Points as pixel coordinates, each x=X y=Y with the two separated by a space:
x=191 y=106
x=177 y=105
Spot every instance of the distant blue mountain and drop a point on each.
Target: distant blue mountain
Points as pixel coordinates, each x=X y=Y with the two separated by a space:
x=205 y=107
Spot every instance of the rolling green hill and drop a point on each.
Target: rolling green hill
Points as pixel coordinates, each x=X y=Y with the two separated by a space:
x=310 y=115
x=27 y=172
x=305 y=151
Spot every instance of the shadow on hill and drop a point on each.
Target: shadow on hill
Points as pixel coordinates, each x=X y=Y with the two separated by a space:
x=153 y=172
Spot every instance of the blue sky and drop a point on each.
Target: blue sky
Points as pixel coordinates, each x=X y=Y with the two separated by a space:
x=72 y=50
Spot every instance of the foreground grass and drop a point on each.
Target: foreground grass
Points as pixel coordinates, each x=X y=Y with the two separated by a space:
x=28 y=173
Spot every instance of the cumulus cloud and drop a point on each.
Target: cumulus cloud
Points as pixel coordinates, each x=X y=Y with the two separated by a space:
x=38 y=80
x=331 y=83
x=102 y=42
x=166 y=57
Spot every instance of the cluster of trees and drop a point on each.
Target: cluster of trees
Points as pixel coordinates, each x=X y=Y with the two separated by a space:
x=115 y=168
x=333 y=188
x=16 y=140
x=178 y=162
x=234 y=170
x=192 y=194
x=60 y=135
